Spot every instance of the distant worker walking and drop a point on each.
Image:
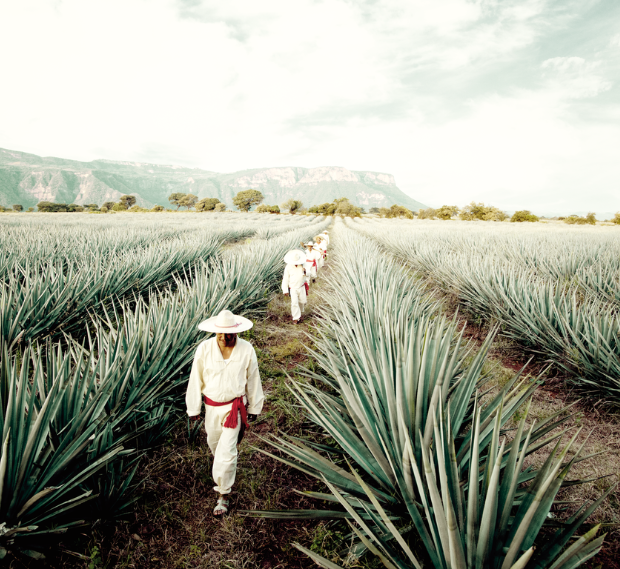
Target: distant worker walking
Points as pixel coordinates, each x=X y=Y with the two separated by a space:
x=225 y=376
x=322 y=242
x=311 y=265
x=319 y=252
x=294 y=282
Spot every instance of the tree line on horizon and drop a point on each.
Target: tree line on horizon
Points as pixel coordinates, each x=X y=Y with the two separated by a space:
x=246 y=199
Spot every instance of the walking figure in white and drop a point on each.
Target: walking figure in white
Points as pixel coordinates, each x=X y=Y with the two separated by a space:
x=225 y=377
x=294 y=282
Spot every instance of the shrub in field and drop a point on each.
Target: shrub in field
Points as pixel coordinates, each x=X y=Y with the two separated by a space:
x=220 y=207
x=18 y=207
x=128 y=200
x=264 y=208
x=175 y=199
x=345 y=208
x=616 y=218
x=51 y=207
x=428 y=213
x=328 y=208
x=523 y=215
x=104 y=209
x=478 y=211
x=292 y=205
x=188 y=201
x=446 y=212
x=207 y=204
x=396 y=211
x=246 y=199
x=119 y=207
x=108 y=205
x=157 y=208
x=589 y=219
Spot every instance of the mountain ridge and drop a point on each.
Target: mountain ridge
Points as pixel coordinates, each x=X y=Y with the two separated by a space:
x=28 y=179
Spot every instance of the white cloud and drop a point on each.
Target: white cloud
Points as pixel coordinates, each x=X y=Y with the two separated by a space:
x=451 y=96
x=575 y=76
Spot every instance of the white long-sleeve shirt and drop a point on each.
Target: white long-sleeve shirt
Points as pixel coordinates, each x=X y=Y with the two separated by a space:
x=326 y=237
x=294 y=277
x=312 y=255
x=224 y=380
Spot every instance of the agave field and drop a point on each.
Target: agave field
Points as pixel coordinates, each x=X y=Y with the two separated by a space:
x=553 y=288
x=425 y=461
x=426 y=467
x=98 y=319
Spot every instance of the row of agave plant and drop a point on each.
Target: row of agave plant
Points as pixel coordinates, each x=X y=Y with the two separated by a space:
x=573 y=318
x=77 y=416
x=426 y=468
x=40 y=240
x=40 y=297
x=27 y=244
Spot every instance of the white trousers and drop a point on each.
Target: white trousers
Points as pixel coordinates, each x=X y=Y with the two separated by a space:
x=298 y=301
x=321 y=262
x=223 y=444
x=310 y=271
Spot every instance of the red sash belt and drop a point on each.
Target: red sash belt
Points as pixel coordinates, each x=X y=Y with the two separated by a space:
x=307 y=287
x=313 y=262
x=237 y=407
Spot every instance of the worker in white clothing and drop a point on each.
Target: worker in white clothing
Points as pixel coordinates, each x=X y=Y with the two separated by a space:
x=225 y=376
x=319 y=253
x=294 y=282
x=312 y=266
x=326 y=235
x=322 y=242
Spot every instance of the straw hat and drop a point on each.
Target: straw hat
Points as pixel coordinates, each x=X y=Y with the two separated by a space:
x=310 y=244
x=295 y=257
x=225 y=323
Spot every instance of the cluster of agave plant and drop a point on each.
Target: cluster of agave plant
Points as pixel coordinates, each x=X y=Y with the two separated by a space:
x=554 y=289
x=85 y=396
x=427 y=467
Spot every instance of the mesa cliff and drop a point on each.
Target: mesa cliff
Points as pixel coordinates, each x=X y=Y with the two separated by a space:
x=28 y=179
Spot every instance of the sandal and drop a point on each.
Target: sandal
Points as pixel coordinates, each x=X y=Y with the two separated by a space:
x=221 y=508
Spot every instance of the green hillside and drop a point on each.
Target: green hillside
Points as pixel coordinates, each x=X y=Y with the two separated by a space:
x=28 y=179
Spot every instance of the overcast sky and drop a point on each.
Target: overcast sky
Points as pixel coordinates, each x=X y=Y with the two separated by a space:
x=515 y=103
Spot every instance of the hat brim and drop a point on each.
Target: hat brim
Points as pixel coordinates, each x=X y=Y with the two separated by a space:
x=241 y=325
x=295 y=258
